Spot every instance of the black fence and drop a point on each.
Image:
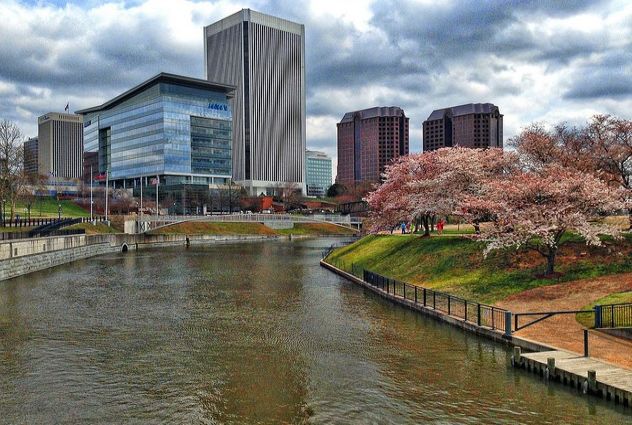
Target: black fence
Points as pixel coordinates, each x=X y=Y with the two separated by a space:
x=9 y=236
x=470 y=311
x=613 y=316
x=35 y=222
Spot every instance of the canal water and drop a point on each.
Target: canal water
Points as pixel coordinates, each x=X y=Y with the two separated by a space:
x=249 y=333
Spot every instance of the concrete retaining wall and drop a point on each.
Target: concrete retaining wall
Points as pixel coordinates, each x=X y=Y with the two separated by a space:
x=492 y=334
x=21 y=257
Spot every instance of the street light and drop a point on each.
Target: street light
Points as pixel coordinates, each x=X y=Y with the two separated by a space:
x=59 y=211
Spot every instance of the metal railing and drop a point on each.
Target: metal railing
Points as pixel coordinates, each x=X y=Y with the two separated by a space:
x=469 y=311
x=613 y=315
x=325 y=253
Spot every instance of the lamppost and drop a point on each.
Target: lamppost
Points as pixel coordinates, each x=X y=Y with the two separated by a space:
x=4 y=222
x=59 y=211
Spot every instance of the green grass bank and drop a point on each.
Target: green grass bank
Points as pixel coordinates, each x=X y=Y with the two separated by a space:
x=209 y=228
x=456 y=264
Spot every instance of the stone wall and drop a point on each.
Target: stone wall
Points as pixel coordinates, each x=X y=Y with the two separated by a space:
x=29 y=255
x=25 y=264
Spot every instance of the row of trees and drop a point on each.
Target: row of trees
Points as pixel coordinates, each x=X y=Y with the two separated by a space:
x=555 y=181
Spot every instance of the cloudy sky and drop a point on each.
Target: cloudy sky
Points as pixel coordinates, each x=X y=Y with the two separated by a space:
x=546 y=61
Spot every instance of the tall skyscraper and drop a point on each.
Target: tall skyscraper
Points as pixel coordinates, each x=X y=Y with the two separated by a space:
x=368 y=140
x=474 y=125
x=264 y=56
x=60 y=145
x=317 y=173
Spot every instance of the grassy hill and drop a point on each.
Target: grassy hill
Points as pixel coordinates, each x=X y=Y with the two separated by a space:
x=208 y=228
x=47 y=207
x=456 y=264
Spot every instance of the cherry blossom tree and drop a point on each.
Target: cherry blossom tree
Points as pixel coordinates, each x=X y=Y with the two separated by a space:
x=390 y=203
x=421 y=186
x=603 y=148
x=535 y=208
x=610 y=145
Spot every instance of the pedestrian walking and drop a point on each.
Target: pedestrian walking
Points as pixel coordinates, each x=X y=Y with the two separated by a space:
x=403 y=228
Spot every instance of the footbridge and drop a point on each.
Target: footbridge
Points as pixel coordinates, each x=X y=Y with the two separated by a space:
x=146 y=223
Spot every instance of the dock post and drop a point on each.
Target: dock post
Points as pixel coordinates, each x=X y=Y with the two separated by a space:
x=585 y=342
x=592 y=380
x=507 y=323
x=517 y=356
x=550 y=365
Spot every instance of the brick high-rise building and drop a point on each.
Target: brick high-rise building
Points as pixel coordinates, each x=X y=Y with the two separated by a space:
x=475 y=125
x=368 y=140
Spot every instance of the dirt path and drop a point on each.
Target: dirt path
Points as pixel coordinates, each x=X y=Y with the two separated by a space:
x=563 y=331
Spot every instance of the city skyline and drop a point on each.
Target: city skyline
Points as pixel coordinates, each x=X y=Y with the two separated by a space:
x=535 y=61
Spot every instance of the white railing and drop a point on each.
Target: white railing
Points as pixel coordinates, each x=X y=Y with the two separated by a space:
x=257 y=218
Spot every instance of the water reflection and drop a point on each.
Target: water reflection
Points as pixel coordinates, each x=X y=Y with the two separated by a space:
x=248 y=333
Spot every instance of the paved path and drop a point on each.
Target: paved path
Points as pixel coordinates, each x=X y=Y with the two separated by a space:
x=563 y=331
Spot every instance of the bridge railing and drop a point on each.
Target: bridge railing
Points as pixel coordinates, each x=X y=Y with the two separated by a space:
x=249 y=218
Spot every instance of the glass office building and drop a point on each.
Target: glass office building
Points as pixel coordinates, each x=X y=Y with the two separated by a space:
x=172 y=129
x=317 y=173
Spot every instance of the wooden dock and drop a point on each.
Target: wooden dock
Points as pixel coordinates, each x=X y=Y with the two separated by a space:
x=584 y=373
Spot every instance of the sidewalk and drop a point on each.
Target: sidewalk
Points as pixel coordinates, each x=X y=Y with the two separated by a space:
x=563 y=331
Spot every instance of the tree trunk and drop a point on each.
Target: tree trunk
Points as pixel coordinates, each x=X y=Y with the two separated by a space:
x=425 y=222
x=630 y=219
x=477 y=228
x=550 y=261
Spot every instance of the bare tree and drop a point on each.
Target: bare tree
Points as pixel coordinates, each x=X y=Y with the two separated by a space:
x=13 y=180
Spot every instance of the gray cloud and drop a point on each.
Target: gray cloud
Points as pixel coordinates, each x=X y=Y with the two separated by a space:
x=416 y=55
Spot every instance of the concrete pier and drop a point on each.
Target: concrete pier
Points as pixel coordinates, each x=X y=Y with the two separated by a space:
x=584 y=373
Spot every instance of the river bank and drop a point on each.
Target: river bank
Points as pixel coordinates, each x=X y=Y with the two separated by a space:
x=249 y=333
x=455 y=266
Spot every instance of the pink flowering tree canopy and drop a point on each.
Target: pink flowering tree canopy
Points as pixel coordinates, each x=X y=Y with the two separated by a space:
x=534 y=209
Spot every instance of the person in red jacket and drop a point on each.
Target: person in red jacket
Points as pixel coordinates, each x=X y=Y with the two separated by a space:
x=440 y=226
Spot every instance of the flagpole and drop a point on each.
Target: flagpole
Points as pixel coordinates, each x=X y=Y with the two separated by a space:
x=91 y=178
x=107 y=189
x=157 y=184
x=141 y=196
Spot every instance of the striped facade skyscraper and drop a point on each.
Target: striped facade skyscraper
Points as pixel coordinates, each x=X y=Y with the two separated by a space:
x=264 y=57
x=60 y=145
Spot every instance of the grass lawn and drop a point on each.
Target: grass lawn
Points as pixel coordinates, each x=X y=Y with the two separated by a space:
x=316 y=229
x=456 y=264
x=47 y=207
x=91 y=229
x=207 y=228
x=587 y=320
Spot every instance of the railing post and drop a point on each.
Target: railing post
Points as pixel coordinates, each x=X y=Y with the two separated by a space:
x=434 y=300
x=507 y=323
x=404 y=290
x=478 y=314
x=611 y=316
x=449 y=298
x=465 y=307
x=415 y=294
x=424 y=297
